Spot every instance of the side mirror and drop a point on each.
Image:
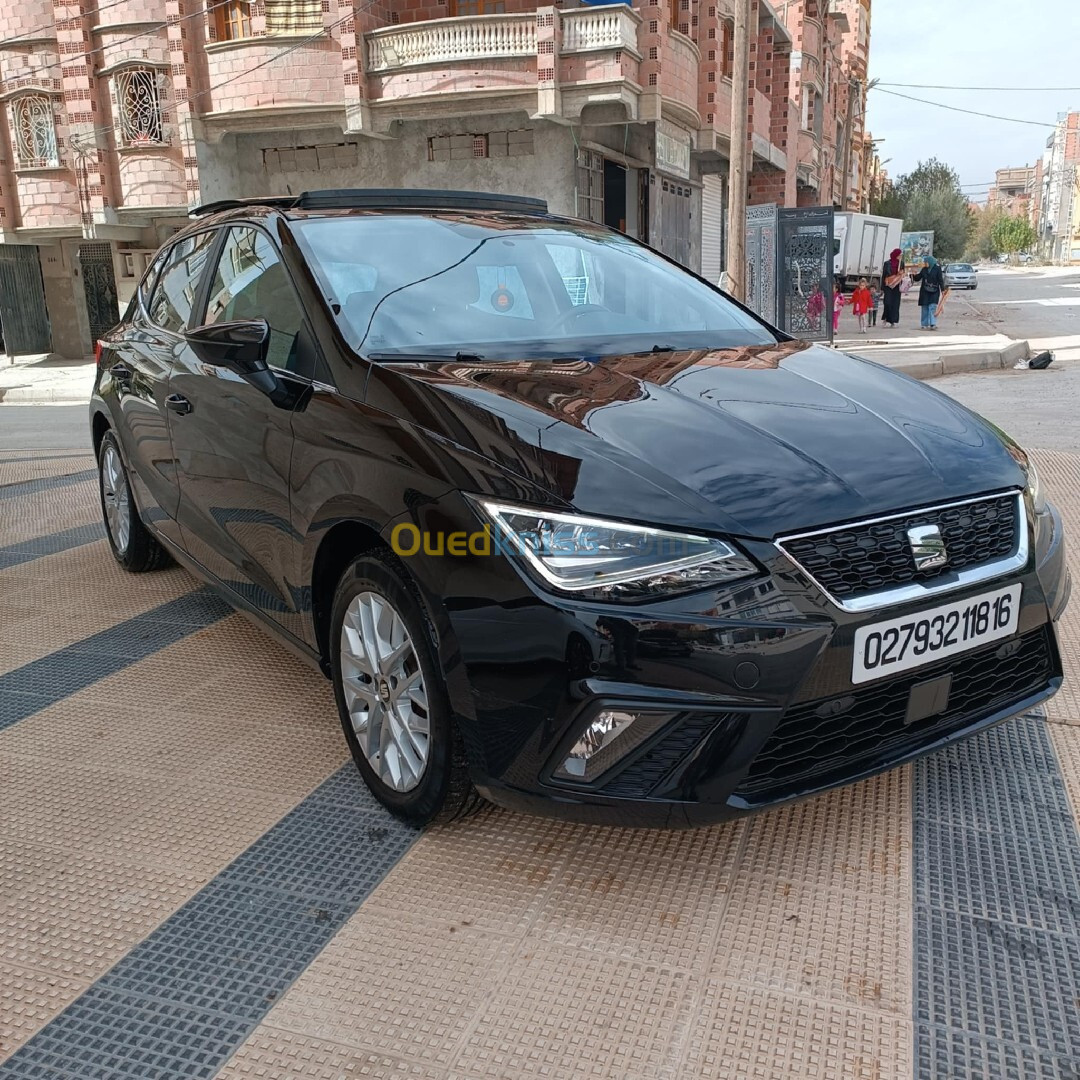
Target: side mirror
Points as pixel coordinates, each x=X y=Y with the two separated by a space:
x=242 y=348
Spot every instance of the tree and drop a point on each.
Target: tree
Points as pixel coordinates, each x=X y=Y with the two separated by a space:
x=927 y=178
x=944 y=211
x=929 y=197
x=981 y=242
x=1013 y=234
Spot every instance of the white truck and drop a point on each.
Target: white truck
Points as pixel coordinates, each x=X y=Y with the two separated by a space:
x=861 y=244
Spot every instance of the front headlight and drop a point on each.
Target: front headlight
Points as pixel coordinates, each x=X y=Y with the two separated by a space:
x=1034 y=488
x=609 y=560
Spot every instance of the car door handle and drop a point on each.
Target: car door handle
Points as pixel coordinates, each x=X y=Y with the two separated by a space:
x=177 y=403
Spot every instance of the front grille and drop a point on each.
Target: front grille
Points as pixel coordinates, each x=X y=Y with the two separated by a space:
x=818 y=743
x=645 y=773
x=856 y=560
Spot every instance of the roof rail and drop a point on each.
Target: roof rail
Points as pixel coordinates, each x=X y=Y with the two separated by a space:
x=282 y=202
x=386 y=199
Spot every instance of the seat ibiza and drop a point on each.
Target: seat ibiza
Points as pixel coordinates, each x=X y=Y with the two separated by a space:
x=567 y=527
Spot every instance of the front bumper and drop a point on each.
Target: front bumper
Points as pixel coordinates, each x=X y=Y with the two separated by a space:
x=750 y=690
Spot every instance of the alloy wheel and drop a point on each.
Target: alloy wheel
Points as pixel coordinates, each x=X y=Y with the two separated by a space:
x=384 y=691
x=117 y=498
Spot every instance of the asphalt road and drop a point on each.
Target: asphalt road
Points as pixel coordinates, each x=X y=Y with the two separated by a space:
x=44 y=427
x=1041 y=304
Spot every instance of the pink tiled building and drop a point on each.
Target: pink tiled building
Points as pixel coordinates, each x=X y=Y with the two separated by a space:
x=121 y=114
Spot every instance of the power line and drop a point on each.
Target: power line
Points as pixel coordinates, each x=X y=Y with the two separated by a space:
x=26 y=35
x=247 y=71
x=116 y=44
x=990 y=89
x=969 y=112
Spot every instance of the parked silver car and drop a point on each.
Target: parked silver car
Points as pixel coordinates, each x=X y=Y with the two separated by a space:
x=961 y=276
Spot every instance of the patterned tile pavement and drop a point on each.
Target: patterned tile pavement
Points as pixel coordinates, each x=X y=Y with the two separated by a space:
x=194 y=884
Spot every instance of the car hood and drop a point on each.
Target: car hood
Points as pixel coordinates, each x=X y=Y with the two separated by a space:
x=755 y=441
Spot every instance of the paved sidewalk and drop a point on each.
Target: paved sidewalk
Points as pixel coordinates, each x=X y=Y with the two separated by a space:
x=966 y=340
x=39 y=380
x=204 y=889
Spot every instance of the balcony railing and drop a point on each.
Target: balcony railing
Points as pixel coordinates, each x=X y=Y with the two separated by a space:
x=440 y=41
x=600 y=29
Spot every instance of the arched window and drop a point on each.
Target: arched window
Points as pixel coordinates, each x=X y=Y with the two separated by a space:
x=35 y=131
x=138 y=99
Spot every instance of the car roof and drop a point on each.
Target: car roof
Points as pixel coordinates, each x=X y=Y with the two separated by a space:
x=382 y=199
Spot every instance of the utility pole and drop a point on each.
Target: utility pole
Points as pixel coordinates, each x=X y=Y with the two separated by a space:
x=740 y=108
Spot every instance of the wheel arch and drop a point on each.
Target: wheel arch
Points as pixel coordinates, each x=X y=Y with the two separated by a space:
x=343 y=542
x=99 y=425
x=336 y=541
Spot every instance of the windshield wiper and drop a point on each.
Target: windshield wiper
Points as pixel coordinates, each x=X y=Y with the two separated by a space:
x=662 y=348
x=433 y=358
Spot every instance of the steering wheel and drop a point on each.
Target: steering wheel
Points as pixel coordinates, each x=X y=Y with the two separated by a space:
x=576 y=313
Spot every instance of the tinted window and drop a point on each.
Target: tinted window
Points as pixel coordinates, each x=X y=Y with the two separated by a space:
x=427 y=284
x=252 y=283
x=174 y=295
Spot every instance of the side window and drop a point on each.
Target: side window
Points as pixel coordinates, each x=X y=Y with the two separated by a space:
x=174 y=295
x=252 y=283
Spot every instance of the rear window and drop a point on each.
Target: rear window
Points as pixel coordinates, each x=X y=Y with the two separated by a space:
x=414 y=284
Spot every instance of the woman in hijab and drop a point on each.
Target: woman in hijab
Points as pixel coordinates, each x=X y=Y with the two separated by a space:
x=932 y=284
x=892 y=275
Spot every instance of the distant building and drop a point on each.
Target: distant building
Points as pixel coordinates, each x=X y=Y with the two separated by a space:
x=1013 y=190
x=1059 y=178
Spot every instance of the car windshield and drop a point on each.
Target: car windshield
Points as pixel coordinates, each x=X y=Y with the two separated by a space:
x=407 y=285
x=960 y=268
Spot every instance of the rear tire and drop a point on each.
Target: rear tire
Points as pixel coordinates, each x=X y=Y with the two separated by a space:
x=391 y=696
x=133 y=547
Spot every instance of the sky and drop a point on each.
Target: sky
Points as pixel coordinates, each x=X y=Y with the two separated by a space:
x=971 y=43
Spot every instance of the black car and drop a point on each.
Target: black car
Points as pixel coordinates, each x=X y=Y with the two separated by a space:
x=567 y=527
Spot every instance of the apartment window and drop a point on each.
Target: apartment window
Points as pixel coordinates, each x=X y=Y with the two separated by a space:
x=477 y=7
x=233 y=20
x=293 y=16
x=35 y=131
x=138 y=97
x=590 y=186
x=727 y=47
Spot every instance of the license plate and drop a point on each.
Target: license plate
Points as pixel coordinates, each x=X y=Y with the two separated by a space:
x=911 y=641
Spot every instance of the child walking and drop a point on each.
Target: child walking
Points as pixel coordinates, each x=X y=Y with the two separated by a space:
x=860 y=303
x=875 y=303
x=837 y=307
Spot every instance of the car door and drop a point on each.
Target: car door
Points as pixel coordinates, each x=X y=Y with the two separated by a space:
x=233 y=445
x=143 y=365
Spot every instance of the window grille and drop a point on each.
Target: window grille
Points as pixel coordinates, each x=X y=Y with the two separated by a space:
x=138 y=96
x=35 y=132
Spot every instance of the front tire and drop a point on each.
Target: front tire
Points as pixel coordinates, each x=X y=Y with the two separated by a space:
x=391 y=696
x=133 y=547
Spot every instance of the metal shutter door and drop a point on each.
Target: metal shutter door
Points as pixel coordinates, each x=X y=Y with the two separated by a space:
x=712 y=227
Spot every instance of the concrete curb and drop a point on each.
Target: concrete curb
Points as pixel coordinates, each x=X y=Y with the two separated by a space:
x=44 y=395
x=956 y=363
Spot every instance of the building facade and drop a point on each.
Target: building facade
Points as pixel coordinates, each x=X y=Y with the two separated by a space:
x=1060 y=168
x=119 y=115
x=1013 y=191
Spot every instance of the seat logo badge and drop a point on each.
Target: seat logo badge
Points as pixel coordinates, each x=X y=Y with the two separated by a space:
x=927 y=547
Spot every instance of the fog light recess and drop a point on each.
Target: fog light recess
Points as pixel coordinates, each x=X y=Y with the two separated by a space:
x=608 y=738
